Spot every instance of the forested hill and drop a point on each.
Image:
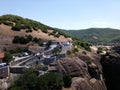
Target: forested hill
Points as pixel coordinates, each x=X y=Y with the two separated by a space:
x=96 y=35
x=17 y=23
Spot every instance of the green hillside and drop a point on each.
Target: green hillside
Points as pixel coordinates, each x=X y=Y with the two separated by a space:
x=96 y=35
x=17 y=23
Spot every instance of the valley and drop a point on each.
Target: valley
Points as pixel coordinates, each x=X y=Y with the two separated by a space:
x=47 y=58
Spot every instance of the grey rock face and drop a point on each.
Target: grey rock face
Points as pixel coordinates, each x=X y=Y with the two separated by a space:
x=85 y=77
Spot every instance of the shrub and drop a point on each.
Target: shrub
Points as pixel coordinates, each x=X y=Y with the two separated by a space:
x=30 y=81
x=22 y=40
x=57 y=35
x=68 y=52
x=67 y=80
x=29 y=30
x=50 y=81
x=84 y=52
x=99 y=50
x=8 y=57
x=8 y=23
x=75 y=50
x=16 y=28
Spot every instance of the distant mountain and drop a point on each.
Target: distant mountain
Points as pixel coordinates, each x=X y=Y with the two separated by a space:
x=96 y=35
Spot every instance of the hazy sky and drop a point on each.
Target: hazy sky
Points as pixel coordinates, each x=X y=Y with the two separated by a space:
x=66 y=14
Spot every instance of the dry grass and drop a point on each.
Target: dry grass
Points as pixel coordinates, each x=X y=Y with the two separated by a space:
x=6 y=31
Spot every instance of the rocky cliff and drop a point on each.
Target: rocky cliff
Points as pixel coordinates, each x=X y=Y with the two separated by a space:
x=86 y=76
x=111 y=69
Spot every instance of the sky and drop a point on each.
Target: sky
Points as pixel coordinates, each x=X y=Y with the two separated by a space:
x=67 y=14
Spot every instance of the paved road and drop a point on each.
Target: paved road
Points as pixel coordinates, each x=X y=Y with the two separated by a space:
x=34 y=61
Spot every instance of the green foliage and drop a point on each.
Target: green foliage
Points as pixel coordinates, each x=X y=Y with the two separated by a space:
x=75 y=50
x=44 y=30
x=29 y=30
x=57 y=35
x=16 y=88
x=27 y=81
x=8 y=57
x=86 y=46
x=8 y=23
x=38 y=41
x=99 y=50
x=103 y=35
x=68 y=52
x=27 y=24
x=50 y=81
x=30 y=81
x=19 y=50
x=51 y=34
x=49 y=43
x=20 y=40
x=56 y=50
x=27 y=39
x=84 y=52
x=17 y=27
x=82 y=44
x=67 y=79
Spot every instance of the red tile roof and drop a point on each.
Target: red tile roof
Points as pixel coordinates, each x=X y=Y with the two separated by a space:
x=2 y=55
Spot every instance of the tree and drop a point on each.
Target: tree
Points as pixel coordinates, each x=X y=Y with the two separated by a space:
x=17 y=27
x=30 y=81
x=27 y=81
x=99 y=50
x=49 y=43
x=67 y=80
x=68 y=52
x=50 y=81
x=56 y=50
x=16 y=39
x=75 y=50
x=8 y=57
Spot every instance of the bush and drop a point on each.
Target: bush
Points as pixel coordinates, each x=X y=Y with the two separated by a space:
x=67 y=80
x=29 y=37
x=30 y=81
x=56 y=50
x=29 y=30
x=16 y=28
x=86 y=46
x=21 y=40
x=50 y=81
x=8 y=57
x=57 y=35
x=99 y=50
x=19 y=50
x=49 y=43
x=68 y=52
x=75 y=50
x=82 y=44
x=84 y=52
x=51 y=34
x=8 y=23
x=44 y=30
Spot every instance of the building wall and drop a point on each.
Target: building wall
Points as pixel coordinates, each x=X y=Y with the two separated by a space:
x=4 y=72
x=0 y=60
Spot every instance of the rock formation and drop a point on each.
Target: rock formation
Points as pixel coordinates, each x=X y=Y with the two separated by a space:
x=111 y=69
x=85 y=76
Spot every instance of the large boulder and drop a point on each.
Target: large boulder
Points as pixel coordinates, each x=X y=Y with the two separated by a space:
x=111 y=70
x=88 y=84
x=85 y=76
